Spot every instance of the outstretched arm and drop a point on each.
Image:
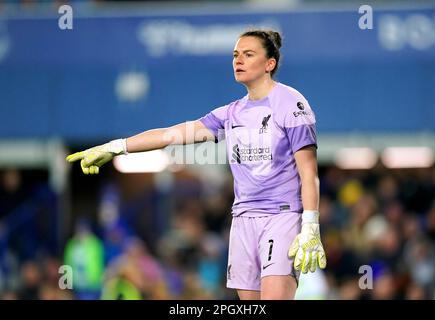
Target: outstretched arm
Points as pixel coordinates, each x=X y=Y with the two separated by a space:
x=184 y=133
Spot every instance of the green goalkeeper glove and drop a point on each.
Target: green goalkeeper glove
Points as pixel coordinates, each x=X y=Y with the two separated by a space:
x=307 y=249
x=92 y=159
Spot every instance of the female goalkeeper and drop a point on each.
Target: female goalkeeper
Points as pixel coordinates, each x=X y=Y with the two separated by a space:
x=271 y=144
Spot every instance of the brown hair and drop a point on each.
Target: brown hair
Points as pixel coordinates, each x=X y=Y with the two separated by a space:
x=271 y=41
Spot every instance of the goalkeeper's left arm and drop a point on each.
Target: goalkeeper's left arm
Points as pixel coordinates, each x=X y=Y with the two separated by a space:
x=184 y=133
x=307 y=249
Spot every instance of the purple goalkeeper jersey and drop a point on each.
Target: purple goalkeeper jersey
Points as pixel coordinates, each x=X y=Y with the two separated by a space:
x=262 y=137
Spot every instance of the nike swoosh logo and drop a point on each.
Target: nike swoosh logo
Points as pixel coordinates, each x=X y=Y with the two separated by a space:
x=236 y=126
x=268 y=265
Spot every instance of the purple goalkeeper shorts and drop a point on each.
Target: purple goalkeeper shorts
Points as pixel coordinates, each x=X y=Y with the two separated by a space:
x=259 y=246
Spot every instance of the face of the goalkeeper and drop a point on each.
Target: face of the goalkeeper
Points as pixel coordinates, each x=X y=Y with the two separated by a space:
x=250 y=62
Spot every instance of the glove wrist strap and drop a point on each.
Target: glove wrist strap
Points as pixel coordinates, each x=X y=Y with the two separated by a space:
x=118 y=146
x=310 y=216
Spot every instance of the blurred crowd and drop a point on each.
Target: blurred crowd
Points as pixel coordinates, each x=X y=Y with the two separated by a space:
x=384 y=219
x=170 y=241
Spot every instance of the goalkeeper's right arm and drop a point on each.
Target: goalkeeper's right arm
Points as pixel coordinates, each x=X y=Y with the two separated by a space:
x=184 y=133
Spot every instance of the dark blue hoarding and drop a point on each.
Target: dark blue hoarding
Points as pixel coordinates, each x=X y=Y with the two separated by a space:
x=114 y=76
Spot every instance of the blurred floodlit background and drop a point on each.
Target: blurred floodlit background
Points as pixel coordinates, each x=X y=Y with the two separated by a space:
x=155 y=225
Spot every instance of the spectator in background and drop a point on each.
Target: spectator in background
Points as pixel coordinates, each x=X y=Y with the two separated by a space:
x=124 y=284
x=430 y=222
x=348 y=289
x=419 y=257
x=50 y=289
x=84 y=253
x=417 y=292
x=134 y=275
x=12 y=191
x=114 y=238
x=385 y=287
x=210 y=264
x=31 y=281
